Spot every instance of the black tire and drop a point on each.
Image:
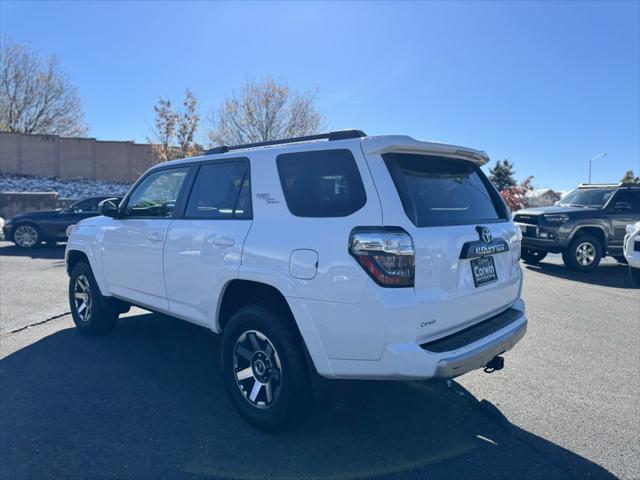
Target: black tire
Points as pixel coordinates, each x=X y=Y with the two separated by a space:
x=98 y=316
x=634 y=273
x=24 y=231
x=532 y=257
x=590 y=253
x=245 y=350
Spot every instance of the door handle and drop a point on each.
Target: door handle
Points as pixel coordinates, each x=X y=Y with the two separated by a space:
x=154 y=237
x=223 y=241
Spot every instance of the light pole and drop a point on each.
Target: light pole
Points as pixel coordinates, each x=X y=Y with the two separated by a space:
x=595 y=158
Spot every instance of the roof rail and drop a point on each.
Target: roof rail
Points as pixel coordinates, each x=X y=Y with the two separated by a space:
x=610 y=185
x=330 y=136
x=596 y=185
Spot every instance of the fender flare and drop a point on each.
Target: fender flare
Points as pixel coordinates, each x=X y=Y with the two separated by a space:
x=576 y=228
x=94 y=262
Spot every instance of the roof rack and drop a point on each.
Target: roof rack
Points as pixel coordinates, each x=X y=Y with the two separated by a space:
x=330 y=136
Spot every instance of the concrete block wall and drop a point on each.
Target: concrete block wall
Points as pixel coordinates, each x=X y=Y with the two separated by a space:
x=54 y=156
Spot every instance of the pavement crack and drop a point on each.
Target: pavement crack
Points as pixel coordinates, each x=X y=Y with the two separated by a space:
x=36 y=324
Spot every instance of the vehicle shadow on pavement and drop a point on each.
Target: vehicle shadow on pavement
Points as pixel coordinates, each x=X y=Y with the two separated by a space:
x=606 y=275
x=47 y=252
x=147 y=401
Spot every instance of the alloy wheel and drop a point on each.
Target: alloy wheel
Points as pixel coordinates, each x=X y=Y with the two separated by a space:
x=257 y=369
x=82 y=298
x=25 y=236
x=585 y=253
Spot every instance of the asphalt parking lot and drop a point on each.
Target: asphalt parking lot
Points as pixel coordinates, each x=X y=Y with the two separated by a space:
x=147 y=401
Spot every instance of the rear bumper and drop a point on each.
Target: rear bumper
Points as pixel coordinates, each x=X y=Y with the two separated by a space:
x=410 y=361
x=454 y=355
x=457 y=365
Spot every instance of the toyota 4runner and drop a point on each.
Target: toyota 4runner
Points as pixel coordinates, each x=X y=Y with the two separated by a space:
x=585 y=225
x=335 y=254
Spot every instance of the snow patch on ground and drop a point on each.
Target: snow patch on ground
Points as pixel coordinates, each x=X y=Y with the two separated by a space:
x=76 y=188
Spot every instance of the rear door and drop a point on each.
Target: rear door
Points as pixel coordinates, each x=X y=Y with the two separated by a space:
x=624 y=210
x=204 y=245
x=467 y=249
x=133 y=244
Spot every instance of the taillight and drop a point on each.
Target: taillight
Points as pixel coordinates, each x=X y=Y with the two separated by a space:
x=385 y=253
x=515 y=244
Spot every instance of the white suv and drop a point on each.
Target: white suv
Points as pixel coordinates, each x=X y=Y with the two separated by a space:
x=346 y=255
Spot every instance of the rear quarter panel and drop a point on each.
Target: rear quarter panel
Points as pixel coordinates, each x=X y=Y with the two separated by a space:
x=276 y=233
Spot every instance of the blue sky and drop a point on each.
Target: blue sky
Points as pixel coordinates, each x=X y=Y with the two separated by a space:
x=546 y=84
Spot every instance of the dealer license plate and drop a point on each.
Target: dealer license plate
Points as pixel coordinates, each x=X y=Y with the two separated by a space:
x=483 y=270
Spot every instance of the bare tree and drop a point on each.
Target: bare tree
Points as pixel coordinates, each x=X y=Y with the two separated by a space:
x=36 y=97
x=173 y=127
x=265 y=110
x=188 y=122
x=164 y=132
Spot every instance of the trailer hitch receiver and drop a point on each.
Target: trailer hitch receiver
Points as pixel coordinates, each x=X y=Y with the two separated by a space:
x=495 y=364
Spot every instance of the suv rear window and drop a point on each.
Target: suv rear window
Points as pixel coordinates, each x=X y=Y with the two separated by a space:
x=443 y=191
x=321 y=183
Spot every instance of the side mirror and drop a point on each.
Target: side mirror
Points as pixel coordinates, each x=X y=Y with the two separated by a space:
x=622 y=206
x=109 y=207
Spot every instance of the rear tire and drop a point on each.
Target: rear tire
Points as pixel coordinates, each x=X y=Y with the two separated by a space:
x=584 y=253
x=264 y=368
x=634 y=273
x=26 y=235
x=92 y=313
x=532 y=257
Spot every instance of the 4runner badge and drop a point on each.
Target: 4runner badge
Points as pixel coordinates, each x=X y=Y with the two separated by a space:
x=486 y=245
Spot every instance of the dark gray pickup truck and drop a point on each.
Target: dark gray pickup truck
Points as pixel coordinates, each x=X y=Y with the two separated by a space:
x=587 y=224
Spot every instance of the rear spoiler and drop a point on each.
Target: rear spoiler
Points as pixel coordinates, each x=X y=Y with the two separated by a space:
x=406 y=144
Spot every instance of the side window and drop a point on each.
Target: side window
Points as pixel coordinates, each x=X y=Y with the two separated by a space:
x=632 y=197
x=86 y=206
x=323 y=183
x=157 y=194
x=221 y=191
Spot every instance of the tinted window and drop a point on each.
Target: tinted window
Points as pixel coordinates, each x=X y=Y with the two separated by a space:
x=157 y=194
x=443 y=191
x=630 y=197
x=85 y=206
x=321 y=183
x=222 y=191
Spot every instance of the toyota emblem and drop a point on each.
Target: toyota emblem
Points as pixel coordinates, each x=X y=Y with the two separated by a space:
x=485 y=235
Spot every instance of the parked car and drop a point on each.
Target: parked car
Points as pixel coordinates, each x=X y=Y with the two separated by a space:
x=336 y=254
x=28 y=230
x=587 y=224
x=632 y=251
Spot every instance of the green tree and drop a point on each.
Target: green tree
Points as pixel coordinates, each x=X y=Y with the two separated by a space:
x=629 y=177
x=502 y=175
